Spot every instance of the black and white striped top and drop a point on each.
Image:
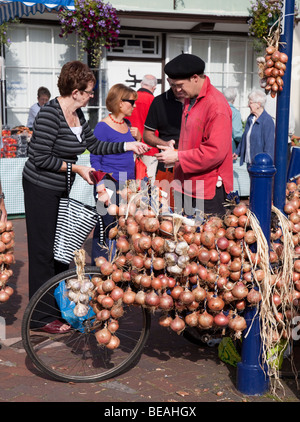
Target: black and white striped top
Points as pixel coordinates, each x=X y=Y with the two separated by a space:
x=53 y=142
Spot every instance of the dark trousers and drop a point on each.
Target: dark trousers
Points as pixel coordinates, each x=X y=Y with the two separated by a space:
x=41 y=208
x=215 y=206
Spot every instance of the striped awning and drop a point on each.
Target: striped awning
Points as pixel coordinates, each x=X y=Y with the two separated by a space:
x=10 y=9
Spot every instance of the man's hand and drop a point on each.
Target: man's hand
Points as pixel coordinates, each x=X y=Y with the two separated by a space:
x=168 y=156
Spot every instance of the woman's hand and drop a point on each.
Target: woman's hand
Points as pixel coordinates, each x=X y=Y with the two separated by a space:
x=84 y=172
x=3 y=213
x=137 y=147
x=136 y=133
x=234 y=156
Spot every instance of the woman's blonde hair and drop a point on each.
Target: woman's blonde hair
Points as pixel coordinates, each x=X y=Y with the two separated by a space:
x=117 y=93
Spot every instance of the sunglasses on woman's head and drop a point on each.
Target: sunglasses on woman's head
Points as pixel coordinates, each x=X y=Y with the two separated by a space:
x=130 y=101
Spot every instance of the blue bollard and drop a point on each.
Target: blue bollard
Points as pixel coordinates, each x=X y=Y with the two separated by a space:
x=251 y=378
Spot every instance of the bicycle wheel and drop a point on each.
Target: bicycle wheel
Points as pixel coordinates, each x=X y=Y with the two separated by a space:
x=76 y=355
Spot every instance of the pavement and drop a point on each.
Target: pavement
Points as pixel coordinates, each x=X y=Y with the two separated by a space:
x=170 y=372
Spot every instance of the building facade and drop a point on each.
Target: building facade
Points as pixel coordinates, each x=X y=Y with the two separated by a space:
x=151 y=35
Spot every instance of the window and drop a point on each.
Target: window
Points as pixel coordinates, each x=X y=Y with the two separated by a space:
x=35 y=58
x=137 y=45
x=229 y=62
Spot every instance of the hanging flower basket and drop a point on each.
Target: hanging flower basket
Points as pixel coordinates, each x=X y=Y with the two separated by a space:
x=96 y=25
x=4 y=39
x=264 y=18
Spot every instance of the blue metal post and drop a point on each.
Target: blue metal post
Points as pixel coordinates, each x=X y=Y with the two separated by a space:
x=283 y=107
x=251 y=379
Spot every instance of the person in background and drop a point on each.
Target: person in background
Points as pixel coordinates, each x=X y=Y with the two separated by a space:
x=43 y=96
x=203 y=162
x=259 y=134
x=230 y=94
x=60 y=135
x=3 y=213
x=162 y=127
x=120 y=102
x=138 y=118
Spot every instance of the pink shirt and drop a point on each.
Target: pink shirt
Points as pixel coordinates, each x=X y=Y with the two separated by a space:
x=205 y=147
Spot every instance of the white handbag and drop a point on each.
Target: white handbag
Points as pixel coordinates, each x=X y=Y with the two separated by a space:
x=75 y=221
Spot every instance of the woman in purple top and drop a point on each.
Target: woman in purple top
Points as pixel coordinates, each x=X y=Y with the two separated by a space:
x=120 y=102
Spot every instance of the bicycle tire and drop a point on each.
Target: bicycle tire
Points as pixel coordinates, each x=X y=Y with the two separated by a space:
x=76 y=356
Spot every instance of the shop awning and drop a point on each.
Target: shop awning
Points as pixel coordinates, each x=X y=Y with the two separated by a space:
x=10 y=9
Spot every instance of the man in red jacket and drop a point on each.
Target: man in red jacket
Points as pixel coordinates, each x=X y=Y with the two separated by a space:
x=203 y=162
x=138 y=118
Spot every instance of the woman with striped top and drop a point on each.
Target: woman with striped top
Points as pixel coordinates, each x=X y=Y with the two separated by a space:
x=60 y=134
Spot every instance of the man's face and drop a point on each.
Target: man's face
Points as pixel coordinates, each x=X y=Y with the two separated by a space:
x=185 y=88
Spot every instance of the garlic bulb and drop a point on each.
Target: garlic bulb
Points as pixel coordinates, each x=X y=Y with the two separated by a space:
x=73 y=284
x=80 y=310
x=183 y=260
x=182 y=248
x=169 y=245
x=174 y=269
x=171 y=258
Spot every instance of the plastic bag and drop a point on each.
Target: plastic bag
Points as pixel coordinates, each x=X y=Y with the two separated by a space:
x=67 y=306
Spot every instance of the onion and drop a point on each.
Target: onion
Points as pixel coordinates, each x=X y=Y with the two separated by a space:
x=203 y=256
x=113 y=326
x=297 y=265
x=177 y=324
x=108 y=285
x=107 y=302
x=166 y=227
x=221 y=320
x=122 y=245
x=145 y=242
x=199 y=294
x=240 y=304
x=113 y=232
x=165 y=321
x=207 y=239
x=114 y=343
x=176 y=291
x=106 y=268
x=103 y=315
x=158 y=244
x=152 y=299
x=151 y=224
x=237 y=323
x=240 y=290
x=137 y=261
x=117 y=293
x=254 y=297
x=158 y=263
x=240 y=209
x=4 y=296
x=222 y=243
x=231 y=220
x=140 y=297
x=192 y=319
x=166 y=301
x=216 y=303
x=205 y=320
x=103 y=336
x=129 y=296
x=113 y=209
x=186 y=297
x=117 y=311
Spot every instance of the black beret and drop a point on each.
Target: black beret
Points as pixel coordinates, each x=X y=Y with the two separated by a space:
x=184 y=66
